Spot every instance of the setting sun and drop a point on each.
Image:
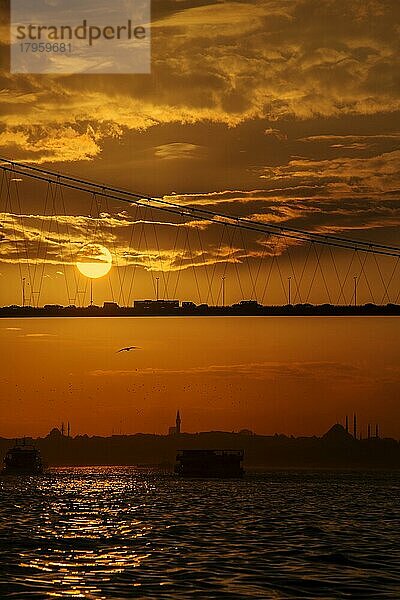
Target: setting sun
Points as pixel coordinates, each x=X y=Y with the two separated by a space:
x=96 y=263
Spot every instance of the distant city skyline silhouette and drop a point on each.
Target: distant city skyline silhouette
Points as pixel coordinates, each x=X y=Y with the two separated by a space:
x=337 y=448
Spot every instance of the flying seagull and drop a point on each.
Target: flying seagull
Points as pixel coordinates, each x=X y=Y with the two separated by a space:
x=128 y=349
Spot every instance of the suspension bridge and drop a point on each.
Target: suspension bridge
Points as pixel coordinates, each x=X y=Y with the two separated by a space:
x=68 y=241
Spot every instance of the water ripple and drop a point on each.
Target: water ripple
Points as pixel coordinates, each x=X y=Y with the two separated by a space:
x=123 y=532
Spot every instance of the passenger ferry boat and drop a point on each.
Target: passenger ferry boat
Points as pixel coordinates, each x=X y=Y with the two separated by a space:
x=22 y=459
x=210 y=463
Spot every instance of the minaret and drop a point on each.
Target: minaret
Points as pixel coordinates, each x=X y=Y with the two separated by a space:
x=355 y=426
x=347 y=424
x=178 y=423
x=69 y=429
x=62 y=428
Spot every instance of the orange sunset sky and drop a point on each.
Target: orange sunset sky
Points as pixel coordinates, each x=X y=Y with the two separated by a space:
x=284 y=111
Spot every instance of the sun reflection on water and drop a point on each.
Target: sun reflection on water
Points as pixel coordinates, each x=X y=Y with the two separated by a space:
x=122 y=532
x=86 y=528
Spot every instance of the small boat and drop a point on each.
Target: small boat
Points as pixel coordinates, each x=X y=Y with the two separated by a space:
x=22 y=459
x=210 y=463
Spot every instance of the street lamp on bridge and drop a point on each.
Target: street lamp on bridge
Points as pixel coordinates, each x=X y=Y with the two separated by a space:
x=355 y=289
x=157 y=288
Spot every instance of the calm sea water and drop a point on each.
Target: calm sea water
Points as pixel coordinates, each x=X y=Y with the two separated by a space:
x=125 y=533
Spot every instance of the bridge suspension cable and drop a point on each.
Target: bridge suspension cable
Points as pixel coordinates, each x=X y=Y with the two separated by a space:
x=90 y=187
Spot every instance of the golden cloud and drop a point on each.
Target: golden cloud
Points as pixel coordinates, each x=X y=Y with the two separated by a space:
x=226 y=63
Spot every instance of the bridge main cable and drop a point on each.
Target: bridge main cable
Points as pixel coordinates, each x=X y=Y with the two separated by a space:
x=83 y=185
